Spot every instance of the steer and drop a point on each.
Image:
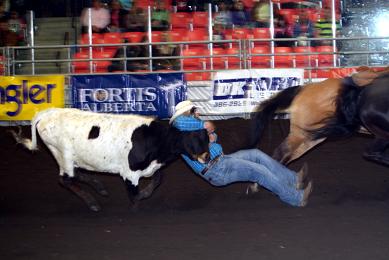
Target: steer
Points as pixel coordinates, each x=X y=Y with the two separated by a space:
x=131 y=145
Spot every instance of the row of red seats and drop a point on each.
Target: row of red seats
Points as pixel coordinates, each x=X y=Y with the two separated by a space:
x=259 y=57
x=305 y=56
x=173 y=36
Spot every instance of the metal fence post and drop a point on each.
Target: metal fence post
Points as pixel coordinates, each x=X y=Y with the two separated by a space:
x=90 y=42
x=31 y=39
x=150 y=36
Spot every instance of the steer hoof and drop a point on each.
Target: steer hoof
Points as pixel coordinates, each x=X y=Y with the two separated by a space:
x=142 y=195
x=103 y=192
x=134 y=206
x=94 y=207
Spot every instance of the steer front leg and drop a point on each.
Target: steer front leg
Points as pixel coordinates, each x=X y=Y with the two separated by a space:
x=148 y=190
x=132 y=190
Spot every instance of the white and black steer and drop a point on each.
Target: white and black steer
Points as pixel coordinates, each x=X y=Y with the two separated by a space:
x=131 y=145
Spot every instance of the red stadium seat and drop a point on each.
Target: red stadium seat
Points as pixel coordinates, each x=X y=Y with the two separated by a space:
x=233 y=61
x=112 y=38
x=283 y=61
x=80 y=66
x=289 y=15
x=143 y=4
x=308 y=60
x=2 y=65
x=200 y=19
x=95 y=36
x=96 y=39
x=198 y=63
x=197 y=76
x=177 y=35
x=156 y=36
x=180 y=20
x=197 y=35
x=133 y=37
x=312 y=14
x=219 y=63
x=102 y=65
x=241 y=33
x=261 y=33
x=325 y=59
x=260 y=61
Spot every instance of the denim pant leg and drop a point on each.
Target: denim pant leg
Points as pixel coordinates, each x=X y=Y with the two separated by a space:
x=230 y=169
x=255 y=155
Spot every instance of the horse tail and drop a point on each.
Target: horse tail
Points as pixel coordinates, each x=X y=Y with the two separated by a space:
x=266 y=110
x=345 y=120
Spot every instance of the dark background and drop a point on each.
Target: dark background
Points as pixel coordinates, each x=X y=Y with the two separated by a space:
x=186 y=218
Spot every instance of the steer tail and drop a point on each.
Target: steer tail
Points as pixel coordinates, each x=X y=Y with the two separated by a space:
x=266 y=110
x=345 y=120
x=30 y=144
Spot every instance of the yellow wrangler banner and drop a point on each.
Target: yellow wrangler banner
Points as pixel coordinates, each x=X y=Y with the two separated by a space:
x=22 y=96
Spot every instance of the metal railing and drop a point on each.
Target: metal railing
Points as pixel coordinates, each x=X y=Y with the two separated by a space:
x=10 y=61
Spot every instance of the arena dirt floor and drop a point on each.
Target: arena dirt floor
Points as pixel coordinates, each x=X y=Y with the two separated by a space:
x=186 y=218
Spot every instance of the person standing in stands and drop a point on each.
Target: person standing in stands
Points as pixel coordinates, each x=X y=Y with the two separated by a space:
x=160 y=17
x=261 y=14
x=136 y=20
x=240 y=17
x=7 y=37
x=303 y=28
x=242 y=166
x=118 y=15
x=100 y=18
x=324 y=27
x=223 y=16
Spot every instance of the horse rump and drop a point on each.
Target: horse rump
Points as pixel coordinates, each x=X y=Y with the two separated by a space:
x=345 y=121
x=265 y=111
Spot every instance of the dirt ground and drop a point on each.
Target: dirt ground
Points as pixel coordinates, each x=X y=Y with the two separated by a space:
x=186 y=218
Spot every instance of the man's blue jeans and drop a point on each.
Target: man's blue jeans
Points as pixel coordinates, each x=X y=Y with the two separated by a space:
x=255 y=166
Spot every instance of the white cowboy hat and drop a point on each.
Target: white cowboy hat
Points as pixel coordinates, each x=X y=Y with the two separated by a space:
x=181 y=108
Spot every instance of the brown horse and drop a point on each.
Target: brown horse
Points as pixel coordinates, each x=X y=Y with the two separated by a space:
x=310 y=107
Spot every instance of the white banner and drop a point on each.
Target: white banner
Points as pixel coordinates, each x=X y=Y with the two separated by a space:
x=239 y=91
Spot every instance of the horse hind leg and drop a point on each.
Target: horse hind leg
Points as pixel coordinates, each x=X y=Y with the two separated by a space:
x=293 y=147
x=283 y=152
x=303 y=148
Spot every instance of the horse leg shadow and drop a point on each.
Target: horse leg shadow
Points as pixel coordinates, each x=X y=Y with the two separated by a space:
x=375 y=151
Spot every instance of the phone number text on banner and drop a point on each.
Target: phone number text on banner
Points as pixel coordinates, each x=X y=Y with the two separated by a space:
x=22 y=96
x=153 y=94
x=241 y=90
